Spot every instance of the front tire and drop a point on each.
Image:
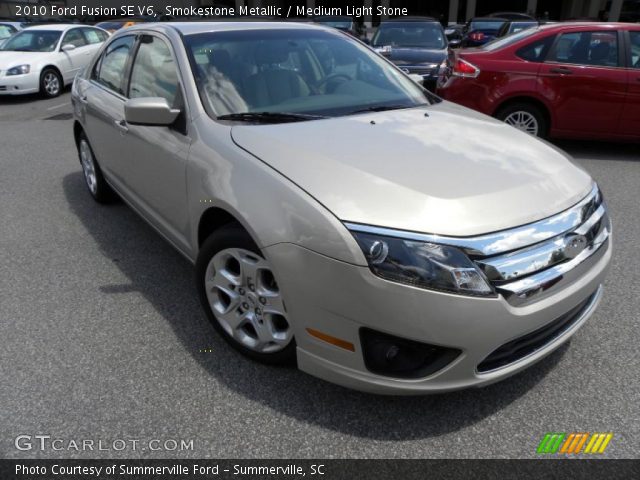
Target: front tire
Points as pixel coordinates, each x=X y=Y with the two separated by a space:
x=50 y=83
x=526 y=117
x=241 y=297
x=93 y=178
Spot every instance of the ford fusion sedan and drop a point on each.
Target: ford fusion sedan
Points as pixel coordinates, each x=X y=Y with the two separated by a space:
x=579 y=80
x=337 y=213
x=46 y=58
x=417 y=46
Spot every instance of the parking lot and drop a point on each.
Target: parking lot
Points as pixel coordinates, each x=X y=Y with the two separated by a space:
x=102 y=337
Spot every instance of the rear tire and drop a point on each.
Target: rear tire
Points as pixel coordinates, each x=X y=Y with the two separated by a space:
x=50 y=83
x=241 y=298
x=526 y=117
x=93 y=178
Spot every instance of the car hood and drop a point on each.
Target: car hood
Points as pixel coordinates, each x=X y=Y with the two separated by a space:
x=454 y=172
x=11 y=59
x=415 y=56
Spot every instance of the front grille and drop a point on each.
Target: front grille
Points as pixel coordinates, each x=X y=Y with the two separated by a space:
x=532 y=342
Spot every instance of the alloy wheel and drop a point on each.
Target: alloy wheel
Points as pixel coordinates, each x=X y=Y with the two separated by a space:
x=246 y=301
x=51 y=84
x=88 y=166
x=524 y=121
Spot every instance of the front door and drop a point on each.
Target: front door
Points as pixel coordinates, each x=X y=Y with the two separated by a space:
x=630 y=121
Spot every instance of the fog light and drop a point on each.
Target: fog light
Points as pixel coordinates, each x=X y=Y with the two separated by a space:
x=402 y=358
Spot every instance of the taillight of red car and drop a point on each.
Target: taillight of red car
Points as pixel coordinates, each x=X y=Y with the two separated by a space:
x=462 y=68
x=477 y=36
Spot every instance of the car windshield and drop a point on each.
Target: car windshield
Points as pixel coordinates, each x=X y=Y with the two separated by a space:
x=309 y=72
x=6 y=31
x=410 y=34
x=486 y=25
x=33 y=41
x=509 y=39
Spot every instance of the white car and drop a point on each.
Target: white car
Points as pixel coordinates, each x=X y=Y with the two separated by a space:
x=46 y=58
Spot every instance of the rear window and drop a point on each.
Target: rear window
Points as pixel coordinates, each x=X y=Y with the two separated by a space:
x=536 y=51
x=599 y=48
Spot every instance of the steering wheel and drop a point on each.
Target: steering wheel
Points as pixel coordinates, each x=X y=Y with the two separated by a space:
x=333 y=76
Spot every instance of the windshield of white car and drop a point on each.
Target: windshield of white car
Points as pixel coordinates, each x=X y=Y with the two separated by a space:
x=317 y=73
x=410 y=34
x=33 y=41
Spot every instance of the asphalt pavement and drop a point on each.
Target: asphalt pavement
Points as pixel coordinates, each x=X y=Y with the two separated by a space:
x=102 y=338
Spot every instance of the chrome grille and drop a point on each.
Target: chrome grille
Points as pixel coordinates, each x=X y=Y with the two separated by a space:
x=576 y=237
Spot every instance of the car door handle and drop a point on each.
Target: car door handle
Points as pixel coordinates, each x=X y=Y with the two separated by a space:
x=122 y=126
x=561 y=71
x=83 y=100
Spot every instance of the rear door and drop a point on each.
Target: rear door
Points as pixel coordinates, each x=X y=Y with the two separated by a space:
x=630 y=121
x=104 y=108
x=584 y=80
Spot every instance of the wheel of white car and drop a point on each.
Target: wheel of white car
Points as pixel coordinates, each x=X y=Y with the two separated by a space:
x=526 y=117
x=239 y=292
x=98 y=187
x=50 y=83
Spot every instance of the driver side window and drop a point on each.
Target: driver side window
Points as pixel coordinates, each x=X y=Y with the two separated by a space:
x=110 y=69
x=635 y=49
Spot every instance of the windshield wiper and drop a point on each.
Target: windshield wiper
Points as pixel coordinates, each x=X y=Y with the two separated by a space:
x=269 y=117
x=381 y=108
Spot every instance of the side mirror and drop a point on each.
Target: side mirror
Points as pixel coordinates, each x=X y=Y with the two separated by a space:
x=149 y=111
x=67 y=47
x=416 y=78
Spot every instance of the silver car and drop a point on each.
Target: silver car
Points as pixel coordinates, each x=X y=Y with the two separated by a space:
x=336 y=212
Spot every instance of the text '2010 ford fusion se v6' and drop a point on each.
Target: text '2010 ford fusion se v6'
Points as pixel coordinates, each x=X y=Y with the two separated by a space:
x=337 y=213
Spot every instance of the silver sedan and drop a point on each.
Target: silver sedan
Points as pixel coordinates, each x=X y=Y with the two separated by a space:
x=336 y=212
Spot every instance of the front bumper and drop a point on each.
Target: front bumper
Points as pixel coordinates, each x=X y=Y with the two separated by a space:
x=338 y=299
x=19 y=84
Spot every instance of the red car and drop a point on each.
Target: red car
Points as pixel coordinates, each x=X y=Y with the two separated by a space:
x=577 y=80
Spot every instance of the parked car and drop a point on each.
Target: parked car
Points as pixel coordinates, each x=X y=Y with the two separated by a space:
x=46 y=58
x=344 y=217
x=417 y=45
x=515 y=26
x=560 y=80
x=344 y=23
x=481 y=30
x=454 y=34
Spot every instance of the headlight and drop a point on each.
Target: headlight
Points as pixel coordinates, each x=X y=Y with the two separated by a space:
x=19 y=70
x=421 y=264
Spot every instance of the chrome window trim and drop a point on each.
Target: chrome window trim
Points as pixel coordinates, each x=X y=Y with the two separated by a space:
x=498 y=242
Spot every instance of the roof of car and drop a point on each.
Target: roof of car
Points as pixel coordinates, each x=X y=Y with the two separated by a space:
x=189 y=28
x=56 y=27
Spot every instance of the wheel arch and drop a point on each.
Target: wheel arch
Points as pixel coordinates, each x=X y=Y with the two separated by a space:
x=214 y=218
x=52 y=67
x=526 y=99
